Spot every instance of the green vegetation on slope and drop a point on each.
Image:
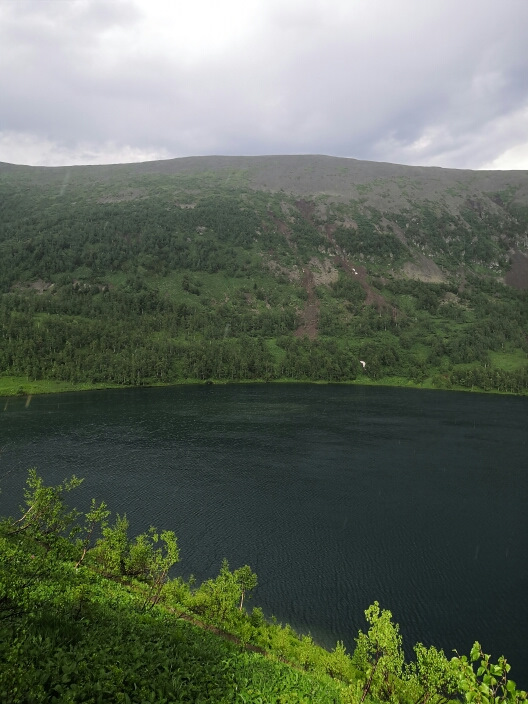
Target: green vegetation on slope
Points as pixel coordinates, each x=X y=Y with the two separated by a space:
x=124 y=276
x=89 y=615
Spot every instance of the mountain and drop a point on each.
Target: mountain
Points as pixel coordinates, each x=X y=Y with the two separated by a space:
x=290 y=267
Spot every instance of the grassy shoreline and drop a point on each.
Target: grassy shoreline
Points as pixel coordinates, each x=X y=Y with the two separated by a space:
x=22 y=387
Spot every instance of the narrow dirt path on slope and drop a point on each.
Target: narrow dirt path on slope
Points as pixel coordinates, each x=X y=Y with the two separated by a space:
x=232 y=638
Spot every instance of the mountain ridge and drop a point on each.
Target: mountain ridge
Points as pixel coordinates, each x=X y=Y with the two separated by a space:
x=365 y=169
x=384 y=185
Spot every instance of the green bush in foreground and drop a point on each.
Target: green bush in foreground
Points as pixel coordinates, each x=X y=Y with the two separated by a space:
x=89 y=615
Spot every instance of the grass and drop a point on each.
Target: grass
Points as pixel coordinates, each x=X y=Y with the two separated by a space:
x=509 y=361
x=215 y=286
x=22 y=386
x=123 y=655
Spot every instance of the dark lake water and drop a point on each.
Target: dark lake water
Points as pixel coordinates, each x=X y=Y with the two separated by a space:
x=336 y=496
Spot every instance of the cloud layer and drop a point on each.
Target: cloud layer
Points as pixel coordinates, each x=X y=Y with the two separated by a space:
x=91 y=81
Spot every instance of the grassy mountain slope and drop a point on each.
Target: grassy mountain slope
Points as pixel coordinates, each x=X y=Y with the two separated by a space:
x=277 y=267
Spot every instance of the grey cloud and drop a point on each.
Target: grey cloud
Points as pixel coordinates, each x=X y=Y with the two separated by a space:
x=365 y=81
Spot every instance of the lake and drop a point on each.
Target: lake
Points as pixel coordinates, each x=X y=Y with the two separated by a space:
x=336 y=496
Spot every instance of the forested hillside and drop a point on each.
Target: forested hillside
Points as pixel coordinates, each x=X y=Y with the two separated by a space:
x=238 y=268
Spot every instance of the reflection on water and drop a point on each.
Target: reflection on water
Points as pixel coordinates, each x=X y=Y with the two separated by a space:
x=335 y=496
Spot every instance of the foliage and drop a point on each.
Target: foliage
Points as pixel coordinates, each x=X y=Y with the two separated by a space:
x=110 y=551
x=490 y=683
x=96 y=516
x=216 y=599
x=433 y=672
x=379 y=652
x=68 y=634
x=246 y=580
x=46 y=516
x=102 y=622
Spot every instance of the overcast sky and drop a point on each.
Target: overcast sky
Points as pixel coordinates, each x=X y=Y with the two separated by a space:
x=430 y=82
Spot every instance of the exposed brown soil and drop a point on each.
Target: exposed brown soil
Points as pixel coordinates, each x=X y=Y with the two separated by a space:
x=283 y=228
x=360 y=273
x=306 y=209
x=373 y=297
x=310 y=312
x=357 y=272
x=329 y=230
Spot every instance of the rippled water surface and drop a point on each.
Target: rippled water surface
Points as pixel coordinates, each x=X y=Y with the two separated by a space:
x=336 y=496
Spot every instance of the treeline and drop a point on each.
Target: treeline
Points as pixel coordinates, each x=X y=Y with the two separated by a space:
x=85 y=351
x=89 y=614
x=485 y=378
x=133 y=336
x=98 y=351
